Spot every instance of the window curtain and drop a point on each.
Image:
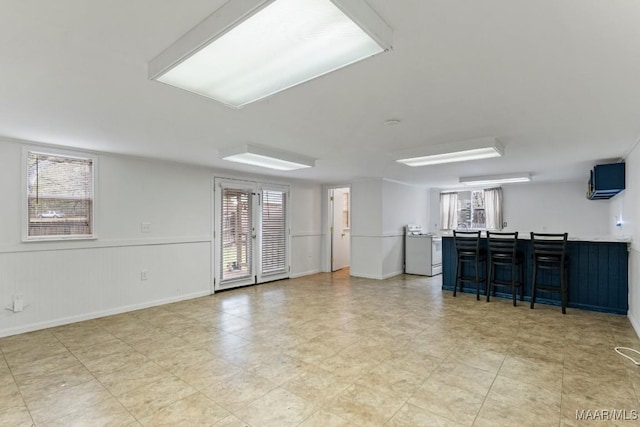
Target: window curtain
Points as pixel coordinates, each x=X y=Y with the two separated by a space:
x=493 y=208
x=448 y=211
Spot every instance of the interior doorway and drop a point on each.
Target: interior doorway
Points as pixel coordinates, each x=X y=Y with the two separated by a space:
x=340 y=227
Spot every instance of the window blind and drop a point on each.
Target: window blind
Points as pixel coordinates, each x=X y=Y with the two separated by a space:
x=60 y=195
x=274 y=232
x=236 y=241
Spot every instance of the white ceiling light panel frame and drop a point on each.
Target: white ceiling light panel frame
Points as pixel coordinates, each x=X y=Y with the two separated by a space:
x=496 y=179
x=256 y=155
x=210 y=59
x=473 y=149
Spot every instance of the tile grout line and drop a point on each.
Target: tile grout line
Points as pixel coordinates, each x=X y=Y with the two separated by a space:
x=562 y=399
x=484 y=399
x=24 y=401
x=424 y=381
x=94 y=376
x=406 y=401
x=633 y=386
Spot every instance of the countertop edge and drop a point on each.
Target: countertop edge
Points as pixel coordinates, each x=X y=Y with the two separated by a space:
x=595 y=239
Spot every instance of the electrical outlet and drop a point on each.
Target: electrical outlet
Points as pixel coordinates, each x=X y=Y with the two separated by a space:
x=18 y=303
x=144 y=275
x=504 y=224
x=145 y=227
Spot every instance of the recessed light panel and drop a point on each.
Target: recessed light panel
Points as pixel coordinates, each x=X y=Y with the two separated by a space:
x=266 y=157
x=272 y=46
x=482 y=148
x=495 y=179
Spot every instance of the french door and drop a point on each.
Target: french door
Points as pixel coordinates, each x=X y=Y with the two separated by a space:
x=251 y=239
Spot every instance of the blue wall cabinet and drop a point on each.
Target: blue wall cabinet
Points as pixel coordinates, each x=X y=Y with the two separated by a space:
x=606 y=181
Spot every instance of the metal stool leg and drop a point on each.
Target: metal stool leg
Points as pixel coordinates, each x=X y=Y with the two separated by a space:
x=513 y=281
x=521 y=265
x=477 y=268
x=492 y=273
x=533 y=287
x=565 y=290
x=486 y=279
x=455 y=283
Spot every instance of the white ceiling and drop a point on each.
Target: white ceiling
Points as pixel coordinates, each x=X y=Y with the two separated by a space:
x=556 y=81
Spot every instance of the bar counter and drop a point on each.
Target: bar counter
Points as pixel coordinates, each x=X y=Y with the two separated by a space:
x=598 y=273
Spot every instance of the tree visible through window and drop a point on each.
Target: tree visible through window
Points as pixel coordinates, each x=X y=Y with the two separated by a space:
x=59 y=195
x=473 y=209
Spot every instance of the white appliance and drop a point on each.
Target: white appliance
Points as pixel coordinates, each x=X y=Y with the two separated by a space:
x=422 y=252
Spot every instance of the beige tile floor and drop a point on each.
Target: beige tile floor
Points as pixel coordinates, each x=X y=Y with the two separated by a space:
x=324 y=350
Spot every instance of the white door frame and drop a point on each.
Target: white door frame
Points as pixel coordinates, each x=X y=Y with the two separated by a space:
x=217 y=233
x=327 y=217
x=256 y=276
x=340 y=236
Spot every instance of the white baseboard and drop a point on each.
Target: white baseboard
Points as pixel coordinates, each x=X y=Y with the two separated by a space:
x=366 y=275
x=376 y=277
x=304 y=273
x=393 y=274
x=97 y=314
x=634 y=323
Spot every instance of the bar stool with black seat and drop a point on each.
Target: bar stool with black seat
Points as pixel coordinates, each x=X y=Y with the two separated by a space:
x=468 y=252
x=504 y=255
x=549 y=254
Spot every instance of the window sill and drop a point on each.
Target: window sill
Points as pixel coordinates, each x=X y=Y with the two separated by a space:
x=57 y=238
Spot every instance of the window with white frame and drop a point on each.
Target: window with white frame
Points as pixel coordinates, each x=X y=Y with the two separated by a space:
x=60 y=196
x=471 y=210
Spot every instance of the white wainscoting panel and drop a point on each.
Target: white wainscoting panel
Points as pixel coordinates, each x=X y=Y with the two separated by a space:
x=366 y=256
x=64 y=286
x=392 y=255
x=305 y=254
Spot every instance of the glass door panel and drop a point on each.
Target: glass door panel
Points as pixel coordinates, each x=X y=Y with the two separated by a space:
x=234 y=237
x=236 y=234
x=274 y=239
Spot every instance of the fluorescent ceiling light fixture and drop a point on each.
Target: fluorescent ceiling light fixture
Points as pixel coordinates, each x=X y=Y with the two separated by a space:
x=475 y=149
x=248 y=50
x=496 y=179
x=266 y=157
